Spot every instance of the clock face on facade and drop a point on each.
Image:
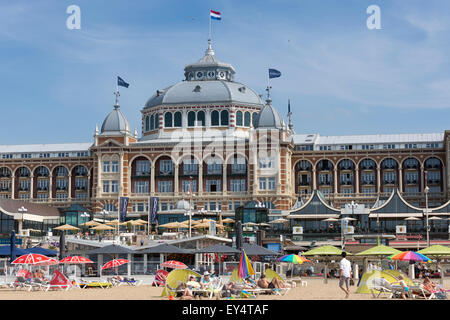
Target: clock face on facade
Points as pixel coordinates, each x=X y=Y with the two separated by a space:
x=222 y=74
x=199 y=74
x=211 y=74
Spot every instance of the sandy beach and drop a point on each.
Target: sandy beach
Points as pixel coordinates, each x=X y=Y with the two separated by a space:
x=315 y=290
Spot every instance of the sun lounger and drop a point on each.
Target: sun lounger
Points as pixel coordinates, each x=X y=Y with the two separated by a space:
x=384 y=287
x=41 y=284
x=118 y=282
x=21 y=282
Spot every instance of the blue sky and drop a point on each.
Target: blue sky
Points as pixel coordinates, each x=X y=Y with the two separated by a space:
x=342 y=78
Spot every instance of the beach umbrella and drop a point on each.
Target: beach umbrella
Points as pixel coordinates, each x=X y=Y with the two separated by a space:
x=380 y=250
x=330 y=219
x=66 y=227
x=410 y=256
x=434 y=218
x=281 y=220
x=34 y=259
x=250 y=224
x=13 y=246
x=91 y=223
x=228 y=220
x=141 y=221
x=174 y=264
x=293 y=259
x=245 y=267
x=76 y=260
x=114 y=263
x=326 y=251
x=102 y=227
x=435 y=250
x=412 y=219
x=173 y=225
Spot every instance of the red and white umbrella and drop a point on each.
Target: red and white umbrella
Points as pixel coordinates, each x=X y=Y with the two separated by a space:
x=35 y=259
x=76 y=260
x=115 y=263
x=174 y=264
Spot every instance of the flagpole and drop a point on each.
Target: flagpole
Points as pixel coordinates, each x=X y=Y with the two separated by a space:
x=209 y=25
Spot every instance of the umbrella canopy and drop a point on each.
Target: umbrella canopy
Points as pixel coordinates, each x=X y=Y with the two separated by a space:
x=201 y=225
x=330 y=219
x=412 y=219
x=218 y=248
x=434 y=218
x=114 y=263
x=173 y=225
x=263 y=224
x=134 y=223
x=174 y=264
x=410 y=256
x=435 y=250
x=66 y=227
x=113 y=222
x=91 y=223
x=34 y=259
x=141 y=221
x=281 y=220
x=250 y=224
x=102 y=227
x=324 y=251
x=164 y=248
x=228 y=220
x=76 y=260
x=245 y=266
x=380 y=250
x=111 y=249
x=45 y=252
x=255 y=250
x=6 y=251
x=293 y=258
x=175 y=277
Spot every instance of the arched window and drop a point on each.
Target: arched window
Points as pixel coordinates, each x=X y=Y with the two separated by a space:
x=191 y=119
x=152 y=122
x=215 y=118
x=156 y=120
x=147 y=123
x=201 y=118
x=168 y=120
x=177 y=119
x=224 y=118
x=247 y=119
x=239 y=118
x=254 y=117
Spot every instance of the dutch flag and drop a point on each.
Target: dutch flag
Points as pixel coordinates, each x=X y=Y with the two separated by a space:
x=215 y=15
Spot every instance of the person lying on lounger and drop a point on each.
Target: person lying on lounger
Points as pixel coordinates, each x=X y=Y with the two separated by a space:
x=274 y=284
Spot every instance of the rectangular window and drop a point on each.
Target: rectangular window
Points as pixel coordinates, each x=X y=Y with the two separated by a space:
x=389 y=177
x=114 y=186
x=214 y=168
x=42 y=184
x=266 y=163
x=141 y=187
x=105 y=186
x=237 y=185
x=115 y=166
x=271 y=183
x=165 y=186
x=106 y=166
x=190 y=167
x=186 y=184
x=80 y=184
x=61 y=184
x=142 y=167
x=166 y=166
x=213 y=185
x=262 y=183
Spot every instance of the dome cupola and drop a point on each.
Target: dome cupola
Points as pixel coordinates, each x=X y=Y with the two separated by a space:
x=269 y=117
x=115 y=123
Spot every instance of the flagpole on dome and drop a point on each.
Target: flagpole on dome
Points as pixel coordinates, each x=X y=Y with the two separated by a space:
x=117 y=93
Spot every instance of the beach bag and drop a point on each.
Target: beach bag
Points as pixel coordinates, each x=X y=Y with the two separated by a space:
x=441 y=295
x=352 y=283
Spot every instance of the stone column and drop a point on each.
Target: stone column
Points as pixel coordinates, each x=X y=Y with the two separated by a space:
x=88 y=187
x=224 y=178
x=314 y=176
x=69 y=187
x=200 y=178
x=50 y=187
x=378 y=179
x=31 y=185
x=99 y=170
x=422 y=178
x=152 y=178
x=400 y=180
x=175 y=187
x=335 y=178
x=13 y=186
x=357 y=181
x=121 y=174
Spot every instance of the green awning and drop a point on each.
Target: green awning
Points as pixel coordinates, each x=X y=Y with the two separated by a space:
x=435 y=250
x=380 y=250
x=324 y=251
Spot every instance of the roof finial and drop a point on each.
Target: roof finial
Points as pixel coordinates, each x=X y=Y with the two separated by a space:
x=96 y=129
x=209 y=51
x=117 y=94
x=268 y=100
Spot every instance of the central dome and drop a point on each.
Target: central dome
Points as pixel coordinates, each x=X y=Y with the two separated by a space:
x=208 y=81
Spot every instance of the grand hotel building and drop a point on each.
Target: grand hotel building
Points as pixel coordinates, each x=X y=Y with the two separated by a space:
x=220 y=138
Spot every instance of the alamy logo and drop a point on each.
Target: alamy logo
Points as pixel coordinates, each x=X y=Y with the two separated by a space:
x=374 y=21
x=74 y=20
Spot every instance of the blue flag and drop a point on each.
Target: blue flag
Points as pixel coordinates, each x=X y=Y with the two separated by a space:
x=273 y=73
x=123 y=204
x=122 y=83
x=153 y=209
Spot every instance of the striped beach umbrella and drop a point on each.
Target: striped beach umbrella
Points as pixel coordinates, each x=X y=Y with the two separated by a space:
x=35 y=259
x=410 y=256
x=245 y=266
x=114 y=263
x=174 y=264
x=76 y=260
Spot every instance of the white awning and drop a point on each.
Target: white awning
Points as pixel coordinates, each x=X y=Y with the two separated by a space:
x=313 y=216
x=395 y=215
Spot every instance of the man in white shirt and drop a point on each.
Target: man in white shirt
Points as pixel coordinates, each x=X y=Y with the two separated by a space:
x=345 y=273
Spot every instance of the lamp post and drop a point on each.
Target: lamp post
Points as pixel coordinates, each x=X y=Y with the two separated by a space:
x=22 y=210
x=426 y=214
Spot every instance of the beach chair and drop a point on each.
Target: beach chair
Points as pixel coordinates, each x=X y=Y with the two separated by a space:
x=21 y=282
x=160 y=278
x=129 y=281
x=39 y=283
x=270 y=274
x=59 y=281
x=216 y=287
x=383 y=286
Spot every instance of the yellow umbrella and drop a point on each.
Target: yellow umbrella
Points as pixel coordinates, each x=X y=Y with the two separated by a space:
x=103 y=227
x=173 y=225
x=113 y=222
x=90 y=223
x=134 y=223
x=141 y=221
x=66 y=227
x=228 y=220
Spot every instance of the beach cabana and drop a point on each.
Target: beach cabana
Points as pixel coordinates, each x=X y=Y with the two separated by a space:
x=390 y=275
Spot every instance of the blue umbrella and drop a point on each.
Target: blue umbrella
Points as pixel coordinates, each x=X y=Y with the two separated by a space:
x=13 y=246
x=45 y=252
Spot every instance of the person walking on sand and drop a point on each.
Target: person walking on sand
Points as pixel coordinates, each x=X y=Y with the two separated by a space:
x=345 y=273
